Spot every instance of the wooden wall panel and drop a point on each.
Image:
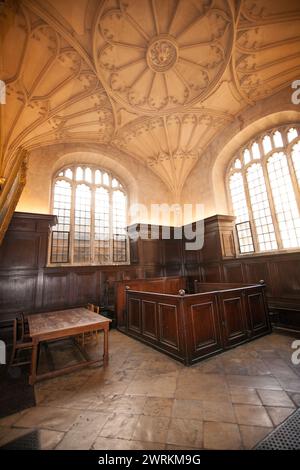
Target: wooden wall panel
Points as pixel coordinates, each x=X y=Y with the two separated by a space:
x=85 y=287
x=149 y=319
x=256 y=270
x=169 y=326
x=134 y=315
x=286 y=278
x=234 y=321
x=27 y=283
x=205 y=330
x=193 y=327
x=20 y=250
x=256 y=313
x=18 y=292
x=233 y=272
x=56 y=291
x=213 y=273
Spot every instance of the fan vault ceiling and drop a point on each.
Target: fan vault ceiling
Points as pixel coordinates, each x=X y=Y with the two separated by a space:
x=156 y=79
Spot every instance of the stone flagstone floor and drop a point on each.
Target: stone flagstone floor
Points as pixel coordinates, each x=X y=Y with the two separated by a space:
x=145 y=400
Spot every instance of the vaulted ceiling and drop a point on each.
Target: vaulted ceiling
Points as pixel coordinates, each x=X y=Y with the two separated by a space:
x=156 y=79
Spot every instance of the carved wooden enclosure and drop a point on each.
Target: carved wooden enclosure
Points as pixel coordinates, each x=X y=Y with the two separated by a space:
x=27 y=283
x=191 y=327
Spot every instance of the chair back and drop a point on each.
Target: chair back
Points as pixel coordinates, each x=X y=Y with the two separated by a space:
x=93 y=308
x=18 y=336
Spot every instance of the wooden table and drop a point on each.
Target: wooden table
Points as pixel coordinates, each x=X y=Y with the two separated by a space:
x=62 y=324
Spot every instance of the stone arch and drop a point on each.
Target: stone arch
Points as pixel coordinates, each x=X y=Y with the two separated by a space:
x=224 y=157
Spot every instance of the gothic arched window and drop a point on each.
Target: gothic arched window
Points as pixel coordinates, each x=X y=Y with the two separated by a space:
x=90 y=205
x=264 y=189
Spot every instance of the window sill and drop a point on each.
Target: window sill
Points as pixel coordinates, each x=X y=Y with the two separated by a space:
x=268 y=253
x=87 y=265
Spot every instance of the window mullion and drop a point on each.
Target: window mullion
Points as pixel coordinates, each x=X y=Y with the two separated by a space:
x=251 y=218
x=92 y=227
x=111 y=230
x=72 y=220
x=294 y=179
x=271 y=203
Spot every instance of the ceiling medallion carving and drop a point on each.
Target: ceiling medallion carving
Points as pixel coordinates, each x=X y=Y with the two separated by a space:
x=159 y=56
x=170 y=145
x=52 y=94
x=162 y=54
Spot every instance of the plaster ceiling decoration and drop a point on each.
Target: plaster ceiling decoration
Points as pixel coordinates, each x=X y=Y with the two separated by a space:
x=156 y=79
x=52 y=94
x=157 y=56
x=171 y=145
x=267 y=47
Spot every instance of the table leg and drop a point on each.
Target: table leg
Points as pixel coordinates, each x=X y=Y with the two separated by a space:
x=32 y=378
x=105 y=347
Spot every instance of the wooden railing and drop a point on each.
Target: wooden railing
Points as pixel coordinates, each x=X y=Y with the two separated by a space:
x=194 y=326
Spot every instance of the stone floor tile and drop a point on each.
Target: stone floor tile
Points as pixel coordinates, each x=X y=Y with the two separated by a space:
x=296 y=398
x=10 y=420
x=221 y=436
x=144 y=396
x=103 y=443
x=218 y=411
x=48 y=418
x=84 y=431
x=139 y=445
x=275 y=398
x=158 y=407
x=279 y=414
x=185 y=432
x=48 y=440
x=119 y=426
x=252 y=435
x=261 y=382
x=188 y=409
x=246 y=396
x=151 y=428
x=252 y=415
x=8 y=434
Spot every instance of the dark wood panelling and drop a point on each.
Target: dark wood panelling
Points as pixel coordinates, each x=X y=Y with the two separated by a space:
x=255 y=270
x=233 y=272
x=213 y=273
x=256 y=313
x=233 y=318
x=287 y=277
x=134 y=315
x=227 y=244
x=168 y=325
x=159 y=284
x=205 y=327
x=27 y=282
x=57 y=282
x=149 y=319
x=172 y=251
x=85 y=286
x=194 y=326
x=21 y=250
x=151 y=252
x=18 y=292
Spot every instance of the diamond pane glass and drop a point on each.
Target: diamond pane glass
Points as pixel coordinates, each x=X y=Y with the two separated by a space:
x=261 y=208
x=284 y=200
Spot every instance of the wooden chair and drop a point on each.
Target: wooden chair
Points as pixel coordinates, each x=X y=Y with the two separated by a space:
x=21 y=341
x=24 y=327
